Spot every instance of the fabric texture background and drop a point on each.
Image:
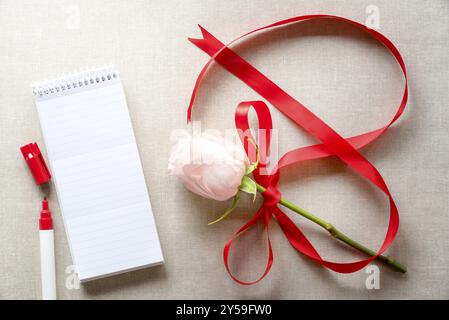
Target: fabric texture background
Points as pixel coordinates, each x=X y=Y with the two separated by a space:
x=334 y=69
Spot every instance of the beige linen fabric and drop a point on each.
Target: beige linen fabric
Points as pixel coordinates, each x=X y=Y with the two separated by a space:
x=337 y=71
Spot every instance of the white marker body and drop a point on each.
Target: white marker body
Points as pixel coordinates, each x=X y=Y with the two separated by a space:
x=48 y=270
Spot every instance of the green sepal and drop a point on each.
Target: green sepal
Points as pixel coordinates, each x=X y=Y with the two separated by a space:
x=248 y=186
x=229 y=210
x=253 y=166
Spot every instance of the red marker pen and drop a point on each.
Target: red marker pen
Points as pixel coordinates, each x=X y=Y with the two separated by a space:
x=47 y=249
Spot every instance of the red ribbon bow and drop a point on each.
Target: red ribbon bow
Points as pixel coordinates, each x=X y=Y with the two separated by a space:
x=332 y=143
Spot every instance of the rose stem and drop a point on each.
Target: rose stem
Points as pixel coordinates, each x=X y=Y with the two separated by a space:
x=338 y=234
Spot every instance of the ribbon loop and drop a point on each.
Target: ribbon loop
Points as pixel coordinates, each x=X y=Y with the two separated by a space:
x=261 y=214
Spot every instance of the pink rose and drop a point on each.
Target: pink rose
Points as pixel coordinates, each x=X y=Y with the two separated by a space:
x=208 y=165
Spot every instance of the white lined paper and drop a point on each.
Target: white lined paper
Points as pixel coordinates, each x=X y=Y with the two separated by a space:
x=98 y=174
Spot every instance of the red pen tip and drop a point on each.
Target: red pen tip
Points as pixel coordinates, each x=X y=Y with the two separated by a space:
x=45 y=204
x=45 y=220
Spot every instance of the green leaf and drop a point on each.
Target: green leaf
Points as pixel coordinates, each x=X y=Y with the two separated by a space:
x=248 y=186
x=229 y=210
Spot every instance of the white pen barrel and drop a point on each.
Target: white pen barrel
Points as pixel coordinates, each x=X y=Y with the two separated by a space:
x=48 y=270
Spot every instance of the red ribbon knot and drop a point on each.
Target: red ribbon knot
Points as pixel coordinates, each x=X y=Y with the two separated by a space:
x=271 y=196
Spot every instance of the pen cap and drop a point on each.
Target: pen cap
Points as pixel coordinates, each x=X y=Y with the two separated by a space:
x=33 y=157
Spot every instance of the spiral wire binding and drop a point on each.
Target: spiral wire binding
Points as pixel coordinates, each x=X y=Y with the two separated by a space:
x=72 y=82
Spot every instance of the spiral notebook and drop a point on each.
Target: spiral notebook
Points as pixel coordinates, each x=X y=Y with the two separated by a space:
x=98 y=175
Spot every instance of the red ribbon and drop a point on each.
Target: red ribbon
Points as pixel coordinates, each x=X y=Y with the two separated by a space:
x=333 y=144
